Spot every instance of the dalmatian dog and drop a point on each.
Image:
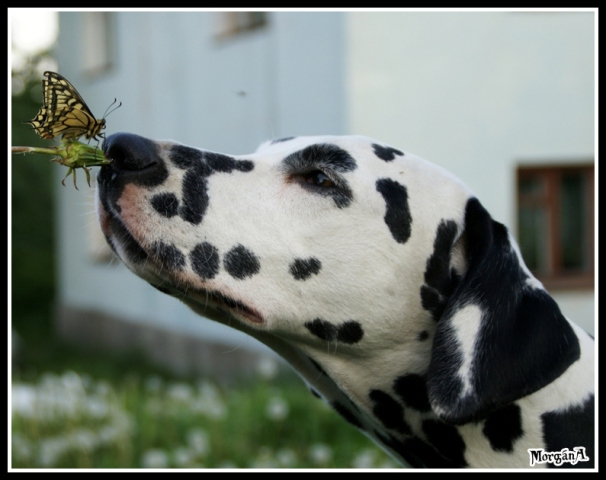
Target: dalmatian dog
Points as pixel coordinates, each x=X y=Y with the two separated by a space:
x=378 y=276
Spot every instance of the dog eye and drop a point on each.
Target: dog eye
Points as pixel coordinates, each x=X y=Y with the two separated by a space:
x=318 y=179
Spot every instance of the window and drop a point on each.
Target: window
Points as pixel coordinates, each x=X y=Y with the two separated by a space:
x=97 y=42
x=234 y=23
x=555 y=224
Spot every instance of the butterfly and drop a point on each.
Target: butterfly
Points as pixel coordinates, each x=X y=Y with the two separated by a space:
x=64 y=112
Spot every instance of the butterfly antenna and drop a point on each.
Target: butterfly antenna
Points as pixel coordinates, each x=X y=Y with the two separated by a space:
x=110 y=106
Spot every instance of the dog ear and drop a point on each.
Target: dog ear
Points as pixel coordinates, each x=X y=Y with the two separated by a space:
x=500 y=336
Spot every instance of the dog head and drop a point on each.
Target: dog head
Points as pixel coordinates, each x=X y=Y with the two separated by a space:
x=369 y=260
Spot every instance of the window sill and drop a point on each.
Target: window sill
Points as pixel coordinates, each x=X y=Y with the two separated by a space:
x=583 y=281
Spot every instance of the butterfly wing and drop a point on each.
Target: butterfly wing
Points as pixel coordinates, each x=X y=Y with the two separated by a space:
x=64 y=111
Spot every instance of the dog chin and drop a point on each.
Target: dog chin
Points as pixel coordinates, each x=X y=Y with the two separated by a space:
x=209 y=300
x=212 y=304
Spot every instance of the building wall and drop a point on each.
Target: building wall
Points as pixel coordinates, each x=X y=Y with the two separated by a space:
x=478 y=93
x=177 y=79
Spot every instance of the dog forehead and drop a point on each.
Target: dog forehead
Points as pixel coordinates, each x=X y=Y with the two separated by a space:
x=286 y=145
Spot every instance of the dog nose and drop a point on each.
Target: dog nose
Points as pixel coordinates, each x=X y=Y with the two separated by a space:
x=130 y=152
x=132 y=159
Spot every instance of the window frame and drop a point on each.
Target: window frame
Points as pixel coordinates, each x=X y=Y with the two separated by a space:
x=556 y=277
x=235 y=23
x=97 y=48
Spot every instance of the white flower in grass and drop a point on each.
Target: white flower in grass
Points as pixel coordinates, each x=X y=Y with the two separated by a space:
x=197 y=439
x=286 y=457
x=268 y=368
x=154 y=458
x=51 y=450
x=277 y=409
x=213 y=408
x=320 y=454
x=103 y=388
x=216 y=410
x=183 y=457
x=109 y=434
x=208 y=389
x=65 y=401
x=83 y=439
x=365 y=459
x=208 y=401
x=23 y=400
x=71 y=381
x=97 y=407
x=180 y=392
x=48 y=380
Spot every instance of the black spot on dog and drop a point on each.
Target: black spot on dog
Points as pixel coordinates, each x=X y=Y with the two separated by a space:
x=241 y=263
x=302 y=269
x=386 y=153
x=200 y=165
x=412 y=390
x=204 y=260
x=319 y=156
x=447 y=441
x=397 y=216
x=185 y=157
x=348 y=332
x=503 y=427
x=415 y=452
x=219 y=162
x=439 y=279
x=169 y=256
x=195 y=197
x=166 y=204
x=389 y=412
x=347 y=414
x=424 y=335
x=244 y=165
x=225 y=164
x=322 y=329
x=571 y=428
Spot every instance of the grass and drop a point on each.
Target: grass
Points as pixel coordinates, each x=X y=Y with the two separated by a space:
x=82 y=420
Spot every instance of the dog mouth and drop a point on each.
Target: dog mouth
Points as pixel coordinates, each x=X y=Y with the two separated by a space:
x=208 y=300
x=119 y=237
x=147 y=265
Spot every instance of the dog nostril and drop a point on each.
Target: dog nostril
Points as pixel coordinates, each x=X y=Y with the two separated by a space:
x=130 y=152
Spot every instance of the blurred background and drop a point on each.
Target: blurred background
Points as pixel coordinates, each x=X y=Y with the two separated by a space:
x=107 y=371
